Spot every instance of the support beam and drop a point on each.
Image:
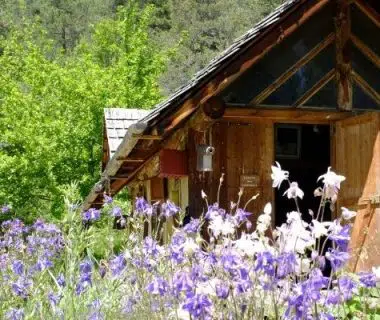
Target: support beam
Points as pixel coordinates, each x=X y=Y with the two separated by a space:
x=370 y=12
x=366 y=87
x=314 y=89
x=292 y=70
x=343 y=59
x=372 y=56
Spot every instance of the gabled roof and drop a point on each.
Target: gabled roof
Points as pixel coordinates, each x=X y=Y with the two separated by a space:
x=117 y=121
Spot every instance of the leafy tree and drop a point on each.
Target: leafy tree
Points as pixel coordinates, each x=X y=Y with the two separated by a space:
x=51 y=106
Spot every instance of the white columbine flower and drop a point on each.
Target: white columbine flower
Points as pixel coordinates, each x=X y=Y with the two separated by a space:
x=190 y=246
x=294 y=191
x=268 y=208
x=278 y=175
x=332 y=182
x=348 y=214
x=320 y=229
x=221 y=226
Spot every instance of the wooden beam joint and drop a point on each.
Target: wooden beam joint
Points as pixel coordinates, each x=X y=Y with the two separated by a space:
x=343 y=55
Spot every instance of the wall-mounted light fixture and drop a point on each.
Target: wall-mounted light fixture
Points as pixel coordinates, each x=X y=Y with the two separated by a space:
x=204 y=157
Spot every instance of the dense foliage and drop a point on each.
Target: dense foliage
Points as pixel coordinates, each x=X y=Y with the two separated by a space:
x=51 y=273
x=52 y=105
x=62 y=62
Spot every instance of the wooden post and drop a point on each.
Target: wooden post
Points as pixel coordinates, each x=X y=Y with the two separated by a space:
x=343 y=59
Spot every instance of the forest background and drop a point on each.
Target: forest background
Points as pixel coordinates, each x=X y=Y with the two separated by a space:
x=63 y=61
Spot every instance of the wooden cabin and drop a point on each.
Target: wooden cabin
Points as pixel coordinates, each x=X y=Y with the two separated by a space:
x=302 y=87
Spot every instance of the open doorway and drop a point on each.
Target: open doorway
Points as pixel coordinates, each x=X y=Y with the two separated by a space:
x=304 y=151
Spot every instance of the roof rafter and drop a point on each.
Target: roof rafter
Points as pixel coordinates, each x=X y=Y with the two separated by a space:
x=369 y=12
x=315 y=88
x=371 y=55
x=292 y=70
x=364 y=85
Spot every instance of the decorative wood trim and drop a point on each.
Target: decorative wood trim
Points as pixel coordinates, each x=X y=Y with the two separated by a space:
x=315 y=88
x=343 y=59
x=366 y=87
x=290 y=115
x=369 y=12
x=292 y=70
x=126 y=159
x=147 y=137
x=371 y=55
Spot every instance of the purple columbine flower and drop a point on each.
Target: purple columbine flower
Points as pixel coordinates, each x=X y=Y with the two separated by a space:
x=150 y=247
x=286 y=264
x=158 y=286
x=85 y=267
x=117 y=265
x=15 y=314
x=116 y=212
x=84 y=282
x=347 y=287
x=367 y=279
x=91 y=214
x=198 y=306
x=337 y=258
x=143 y=208
x=222 y=291
x=265 y=262
x=21 y=287
x=169 y=209
x=230 y=261
x=242 y=215
x=333 y=297
x=193 y=226
x=5 y=209
x=182 y=282
x=340 y=235
x=18 y=267
x=54 y=298
x=107 y=199
x=61 y=280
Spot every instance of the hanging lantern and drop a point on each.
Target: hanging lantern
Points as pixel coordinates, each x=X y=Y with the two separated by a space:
x=204 y=157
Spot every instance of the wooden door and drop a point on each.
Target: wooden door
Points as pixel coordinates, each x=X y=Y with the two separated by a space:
x=357 y=157
x=244 y=153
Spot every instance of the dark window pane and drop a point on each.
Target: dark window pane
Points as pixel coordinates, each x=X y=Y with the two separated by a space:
x=365 y=29
x=362 y=101
x=304 y=79
x=281 y=58
x=326 y=97
x=365 y=68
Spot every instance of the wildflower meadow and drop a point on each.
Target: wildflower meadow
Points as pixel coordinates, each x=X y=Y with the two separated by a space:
x=243 y=271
